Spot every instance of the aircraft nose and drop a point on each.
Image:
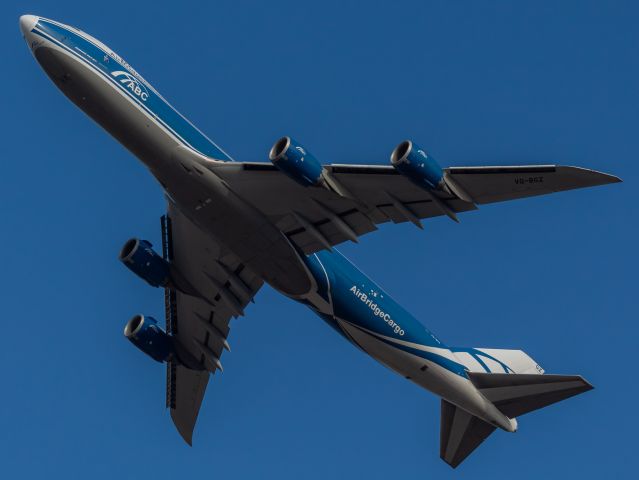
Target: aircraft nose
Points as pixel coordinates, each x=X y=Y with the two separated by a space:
x=27 y=22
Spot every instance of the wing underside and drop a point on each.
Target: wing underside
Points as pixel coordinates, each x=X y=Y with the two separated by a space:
x=200 y=324
x=366 y=196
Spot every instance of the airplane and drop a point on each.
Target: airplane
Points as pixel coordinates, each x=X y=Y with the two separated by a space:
x=232 y=226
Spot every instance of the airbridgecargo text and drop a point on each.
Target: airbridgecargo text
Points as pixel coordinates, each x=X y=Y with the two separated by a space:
x=378 y=312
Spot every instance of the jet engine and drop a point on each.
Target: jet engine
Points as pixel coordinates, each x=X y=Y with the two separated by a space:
x=139 y=257
x=144 y=333
x=294 y=160
x=410 y=160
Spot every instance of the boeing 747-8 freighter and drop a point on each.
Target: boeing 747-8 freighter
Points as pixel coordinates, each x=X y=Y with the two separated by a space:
x=231 y=226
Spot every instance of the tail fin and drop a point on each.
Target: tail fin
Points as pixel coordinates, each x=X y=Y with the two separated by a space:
x=496 y=360
x=460 y=434
x=517 y=394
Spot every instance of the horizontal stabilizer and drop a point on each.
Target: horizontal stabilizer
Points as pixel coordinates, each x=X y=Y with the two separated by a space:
x=517 y=394
x=460 y=433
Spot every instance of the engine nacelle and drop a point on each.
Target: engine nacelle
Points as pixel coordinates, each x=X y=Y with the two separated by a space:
x=139 y=257
x=294 y=160
x=144 y=333
x=410 y=160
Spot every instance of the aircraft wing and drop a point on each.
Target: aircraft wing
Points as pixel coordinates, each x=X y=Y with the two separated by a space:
x=363 y=196
x=201 y=325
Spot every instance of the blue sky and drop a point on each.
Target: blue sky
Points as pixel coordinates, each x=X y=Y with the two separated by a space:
x=475 y=83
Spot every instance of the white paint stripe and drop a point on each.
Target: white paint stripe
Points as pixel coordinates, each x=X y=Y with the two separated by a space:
x=442 y=352
x=347 y=326
x=328 y=282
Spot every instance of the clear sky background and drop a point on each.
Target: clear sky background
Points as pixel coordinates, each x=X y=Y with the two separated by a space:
x=475 y=83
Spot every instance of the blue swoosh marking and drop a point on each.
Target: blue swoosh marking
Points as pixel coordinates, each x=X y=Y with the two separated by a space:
x=477 y=354
x=451 y=366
